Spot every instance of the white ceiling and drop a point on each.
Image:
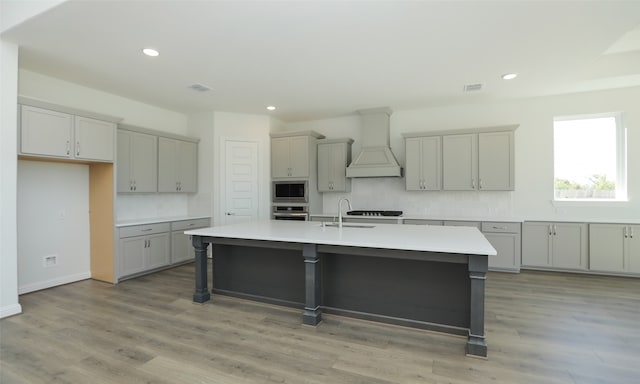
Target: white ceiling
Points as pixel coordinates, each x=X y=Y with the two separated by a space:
x=317 y=59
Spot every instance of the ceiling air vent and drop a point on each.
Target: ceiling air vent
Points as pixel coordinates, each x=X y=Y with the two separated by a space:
x=473 y=87
x=199 y=87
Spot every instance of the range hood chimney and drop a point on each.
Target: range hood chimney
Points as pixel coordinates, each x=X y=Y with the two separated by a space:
x=375 y=158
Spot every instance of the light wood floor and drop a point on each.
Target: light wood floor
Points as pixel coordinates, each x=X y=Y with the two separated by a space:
x=541 y=328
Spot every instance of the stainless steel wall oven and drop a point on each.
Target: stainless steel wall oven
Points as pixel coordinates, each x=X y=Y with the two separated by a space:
x=286 y=212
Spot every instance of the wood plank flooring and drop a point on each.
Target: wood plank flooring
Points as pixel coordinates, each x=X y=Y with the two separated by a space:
x=541 y=328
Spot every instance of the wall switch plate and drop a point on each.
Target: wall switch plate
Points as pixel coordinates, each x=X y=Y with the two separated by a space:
x=50 y=261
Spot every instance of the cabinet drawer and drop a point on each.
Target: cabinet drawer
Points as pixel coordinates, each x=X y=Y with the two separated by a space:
x=185 y=225
x=498 y=227
x=141 y=230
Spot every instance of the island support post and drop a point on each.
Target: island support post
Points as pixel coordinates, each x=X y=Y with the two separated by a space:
x=312 y=313
x=477 y=343
x=201 y=293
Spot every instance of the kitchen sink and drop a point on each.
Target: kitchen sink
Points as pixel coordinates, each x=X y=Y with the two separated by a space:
x=348 y=225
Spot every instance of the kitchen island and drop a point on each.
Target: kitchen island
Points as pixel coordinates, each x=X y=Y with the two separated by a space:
x=418 y=276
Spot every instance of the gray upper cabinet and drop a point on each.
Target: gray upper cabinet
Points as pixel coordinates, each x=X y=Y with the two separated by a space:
x=460 y=162
x=482 y=161
x=177 y=165
x=50 y=133
x=137 y=163
x=294 y=155
x=423 y=163
x=290 y=157
x=496 y=161
x=333 y=158
x=554 y=245
x=94 y=139
x=614 y=248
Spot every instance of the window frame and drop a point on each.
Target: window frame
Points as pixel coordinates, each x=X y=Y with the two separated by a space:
x=621 y=194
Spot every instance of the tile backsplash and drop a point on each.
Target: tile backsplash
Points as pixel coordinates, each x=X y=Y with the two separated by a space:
x=142 y=206
x=390 y=194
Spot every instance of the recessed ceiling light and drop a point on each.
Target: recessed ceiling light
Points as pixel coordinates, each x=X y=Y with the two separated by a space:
x=509 y=76
x=150 y=52
x=271 y=108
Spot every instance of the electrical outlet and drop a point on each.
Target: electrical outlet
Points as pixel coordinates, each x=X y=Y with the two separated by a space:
x=50 y=261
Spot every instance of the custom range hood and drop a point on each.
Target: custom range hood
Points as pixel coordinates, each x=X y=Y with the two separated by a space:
x=375 y=158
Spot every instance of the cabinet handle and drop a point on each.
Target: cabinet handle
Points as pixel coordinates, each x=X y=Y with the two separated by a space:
x=68 y=148
x=631 y=232
x=134 y=185
x=503 y=228
x=77 y=148
x=473 y=183
x=550 y=230
x=554 y=229
x=626 y=232
x=479 y=183
x=146 y=230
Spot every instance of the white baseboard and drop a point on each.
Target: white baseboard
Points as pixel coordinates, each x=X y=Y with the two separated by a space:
x=10 y=310
x=53 y=282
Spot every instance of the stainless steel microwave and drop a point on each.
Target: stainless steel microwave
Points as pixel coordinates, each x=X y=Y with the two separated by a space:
x=291 y=191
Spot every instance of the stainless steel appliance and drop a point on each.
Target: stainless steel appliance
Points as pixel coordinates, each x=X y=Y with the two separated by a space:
x=289 y=212
x=290 y=191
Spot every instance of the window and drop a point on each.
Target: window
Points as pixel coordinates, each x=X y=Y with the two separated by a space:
x=589 y=158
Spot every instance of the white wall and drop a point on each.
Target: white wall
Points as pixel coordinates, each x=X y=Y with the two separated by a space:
x=8 y=174
x=533 y=196
x=232 y=126
x=53 y=219
x=200 y=125
x=128 y=206
x=46 y=88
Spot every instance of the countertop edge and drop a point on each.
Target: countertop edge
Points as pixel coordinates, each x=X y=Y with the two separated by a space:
x=155 y=220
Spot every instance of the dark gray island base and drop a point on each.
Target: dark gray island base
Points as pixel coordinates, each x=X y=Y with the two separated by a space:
x=434 y=291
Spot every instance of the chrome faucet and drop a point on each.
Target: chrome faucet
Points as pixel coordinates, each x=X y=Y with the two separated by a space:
x=340 y=210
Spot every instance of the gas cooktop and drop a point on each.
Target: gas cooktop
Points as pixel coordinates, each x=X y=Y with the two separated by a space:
x=375 y=213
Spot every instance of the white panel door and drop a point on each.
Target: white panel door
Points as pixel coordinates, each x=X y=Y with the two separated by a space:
x=241 y=182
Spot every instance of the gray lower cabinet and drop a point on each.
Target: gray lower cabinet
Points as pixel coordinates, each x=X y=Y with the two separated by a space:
x=506 y=239
x=614 y=248
x=143 y=248
x=181 y=247
x=554 y=245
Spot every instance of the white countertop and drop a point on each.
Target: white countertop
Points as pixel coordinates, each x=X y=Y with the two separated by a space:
x=464 y=240
x=153 y=220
